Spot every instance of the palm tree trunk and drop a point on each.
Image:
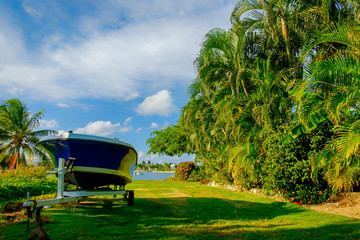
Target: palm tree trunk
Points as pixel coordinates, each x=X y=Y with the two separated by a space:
x=17 y=157
x=286 y=38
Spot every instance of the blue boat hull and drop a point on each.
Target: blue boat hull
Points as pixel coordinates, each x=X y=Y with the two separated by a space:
x=98 y=162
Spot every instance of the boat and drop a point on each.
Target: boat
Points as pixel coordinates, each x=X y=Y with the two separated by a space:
x=91 y=161
x=138 y=173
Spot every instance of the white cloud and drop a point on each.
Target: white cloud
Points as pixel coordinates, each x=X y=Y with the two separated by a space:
x=48 y=124
x=108 y=57
x=11 y=45
x=63 y=105
x=105 y=128
x=127 y=121
x=158 y=104
x=100 y=128
x=132 y=96
x=153 y=125
x=138 y=129
x=140 y=155
x=31 y=11
x=126 y=128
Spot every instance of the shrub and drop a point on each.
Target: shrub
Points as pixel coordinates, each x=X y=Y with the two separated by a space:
x=23 y=171
x=287 y=169
x=16 y=183
x=183 y=170
x=216 y=168
x=198 y=174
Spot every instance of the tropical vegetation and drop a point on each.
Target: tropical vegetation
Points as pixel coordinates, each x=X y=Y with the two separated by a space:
x=275 y=104
x=17 y=183
x=150 y=166
x=183 y=170
x=18 y=134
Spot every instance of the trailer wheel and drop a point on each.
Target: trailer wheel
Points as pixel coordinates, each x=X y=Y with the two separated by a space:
x=131 y=198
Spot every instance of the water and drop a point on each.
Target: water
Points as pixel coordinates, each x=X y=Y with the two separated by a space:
x=153 y=176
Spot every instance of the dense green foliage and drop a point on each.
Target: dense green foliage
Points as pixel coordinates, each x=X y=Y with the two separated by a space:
x=16 y=183
x=175 y=143
x=266 y=89
x=286 y=169
x=183 y=170
x=198 y=174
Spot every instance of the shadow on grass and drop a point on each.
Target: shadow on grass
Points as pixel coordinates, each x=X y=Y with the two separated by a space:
x=210 y=218
x=190 y=218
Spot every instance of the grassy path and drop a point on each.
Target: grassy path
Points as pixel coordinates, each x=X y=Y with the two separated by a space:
x=170 y=210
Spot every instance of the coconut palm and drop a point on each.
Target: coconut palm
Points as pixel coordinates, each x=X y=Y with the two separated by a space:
x=18 y=135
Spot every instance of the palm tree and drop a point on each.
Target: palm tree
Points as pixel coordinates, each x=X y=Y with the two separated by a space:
x=340 y=159
x=17 y=134
x=246 y=74
x=332 y=87
x=275 y=22
x=231 y=99
x=284 y=25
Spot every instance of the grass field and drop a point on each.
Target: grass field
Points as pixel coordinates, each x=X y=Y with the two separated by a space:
x=171 y=210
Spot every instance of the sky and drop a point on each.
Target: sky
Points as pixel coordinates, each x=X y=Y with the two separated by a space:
x=112 y=68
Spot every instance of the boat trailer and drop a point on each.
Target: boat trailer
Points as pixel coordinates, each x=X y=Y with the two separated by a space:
x=34 y=207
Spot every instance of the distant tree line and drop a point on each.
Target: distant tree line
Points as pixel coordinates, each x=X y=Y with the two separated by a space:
x=149 y=166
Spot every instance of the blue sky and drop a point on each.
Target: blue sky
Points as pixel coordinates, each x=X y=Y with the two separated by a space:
x=110 y=68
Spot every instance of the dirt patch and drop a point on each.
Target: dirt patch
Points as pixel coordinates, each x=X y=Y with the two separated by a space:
x=12 y=212
x=14 y=217
x=346 y=204
x=12 y=207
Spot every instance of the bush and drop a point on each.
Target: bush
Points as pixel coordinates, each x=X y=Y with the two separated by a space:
x=198 y=174
x=287 y=169
x=23 y=171
x=16 y=183
x=183 y=170
x=216 y=168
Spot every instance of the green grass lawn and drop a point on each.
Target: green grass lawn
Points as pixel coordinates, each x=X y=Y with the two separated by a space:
x=171 y=210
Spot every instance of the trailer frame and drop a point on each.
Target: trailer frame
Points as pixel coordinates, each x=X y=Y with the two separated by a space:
x=34 y=207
